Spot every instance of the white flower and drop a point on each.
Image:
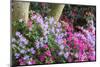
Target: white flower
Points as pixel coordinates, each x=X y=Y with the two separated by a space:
x=30 y=29
x=61 y=47
x=76 y=55
x=41 y=39
x=14 y=45
x=46 y=18
x=13 y=40
x=60 y=53
x=37 y=44
x=26 y=57
x=66 y=55
x=20 y=20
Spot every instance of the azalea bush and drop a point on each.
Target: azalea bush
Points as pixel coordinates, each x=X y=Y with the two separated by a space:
x=42 y=40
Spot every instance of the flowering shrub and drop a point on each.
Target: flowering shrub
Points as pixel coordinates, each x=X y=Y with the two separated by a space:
x=44 y=41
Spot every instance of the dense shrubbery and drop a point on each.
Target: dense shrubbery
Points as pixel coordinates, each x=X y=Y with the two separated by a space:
x=44 y=41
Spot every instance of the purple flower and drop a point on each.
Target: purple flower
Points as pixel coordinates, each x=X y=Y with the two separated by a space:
x=26 y=57
x=52 y=30
x=17 y=55
x=18 y=33
x=33 y=17
x=59 y=24
x=41 y=44
x=20 y=44
x=57 y=30
x=23 y=51
x=59 y=41
x=39 y=19
x=51 y=20
x=37 y=44
x=23 y=40
x=32 y=50
x=46 y=26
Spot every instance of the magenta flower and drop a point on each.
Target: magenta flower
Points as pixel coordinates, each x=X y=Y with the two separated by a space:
x=48 y=53
x=21 y=61
x=31 y=62
x=42 y=58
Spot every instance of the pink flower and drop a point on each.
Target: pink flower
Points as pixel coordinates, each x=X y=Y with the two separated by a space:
x=42 y=58
x=69 y=38
x=69 y=59
x=45 y=46
x=33 y=62
x=21 y=62
x=29 y=24
x=48 y=53
x=64 y=41
x=92 y=58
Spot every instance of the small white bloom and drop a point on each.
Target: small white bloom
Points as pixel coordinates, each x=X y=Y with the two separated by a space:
x=13 y=46
x=13 y=40
x=61 y=47
x=66 y=55
x=60 y=53
x=41 y=39
x=20 y=20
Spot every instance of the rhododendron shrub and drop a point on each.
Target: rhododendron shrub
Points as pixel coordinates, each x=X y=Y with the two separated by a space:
x=44 y=41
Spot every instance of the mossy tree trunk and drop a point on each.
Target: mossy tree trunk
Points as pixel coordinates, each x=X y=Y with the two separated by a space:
x=20 y=10
x=56 y=11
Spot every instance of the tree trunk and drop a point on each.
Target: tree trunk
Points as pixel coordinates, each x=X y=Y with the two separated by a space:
x=20 y=10
x=56 y=11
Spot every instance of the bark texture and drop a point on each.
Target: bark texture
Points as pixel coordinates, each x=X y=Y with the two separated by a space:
x=20 y=10
x=56 y=11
